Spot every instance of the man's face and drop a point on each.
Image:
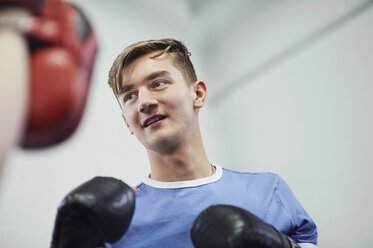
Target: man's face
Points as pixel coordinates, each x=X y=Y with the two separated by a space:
x=158 y=105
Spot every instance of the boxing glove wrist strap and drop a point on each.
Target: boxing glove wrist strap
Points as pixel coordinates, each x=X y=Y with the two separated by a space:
x=15 y=18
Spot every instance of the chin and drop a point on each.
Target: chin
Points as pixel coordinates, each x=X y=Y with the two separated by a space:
x=164 y=145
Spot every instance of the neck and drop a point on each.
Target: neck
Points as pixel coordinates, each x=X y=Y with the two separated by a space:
x=185 y=162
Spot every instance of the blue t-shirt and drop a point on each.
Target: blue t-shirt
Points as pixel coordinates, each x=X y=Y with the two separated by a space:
x=165 y=211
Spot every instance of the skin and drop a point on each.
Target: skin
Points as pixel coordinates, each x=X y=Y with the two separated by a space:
x=13 y=89
x=154 y=87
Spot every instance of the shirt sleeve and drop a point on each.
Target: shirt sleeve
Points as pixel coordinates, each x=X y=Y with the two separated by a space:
x=303 y=228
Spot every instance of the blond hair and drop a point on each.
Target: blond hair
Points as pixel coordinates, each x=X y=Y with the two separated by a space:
x=178 y=51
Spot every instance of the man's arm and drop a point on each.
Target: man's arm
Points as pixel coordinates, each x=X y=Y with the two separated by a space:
x=303 y=228
x=13 y=88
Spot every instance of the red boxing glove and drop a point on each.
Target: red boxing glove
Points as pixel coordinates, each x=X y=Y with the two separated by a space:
x=63 y=47
x=35 y=6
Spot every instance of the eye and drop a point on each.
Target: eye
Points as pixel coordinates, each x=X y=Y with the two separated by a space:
x=129 y=96
x=158 y=84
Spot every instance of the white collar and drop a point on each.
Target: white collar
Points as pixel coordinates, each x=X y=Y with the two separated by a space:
x=185 y=184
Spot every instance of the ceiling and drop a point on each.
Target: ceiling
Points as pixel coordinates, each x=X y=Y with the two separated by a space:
x=232 y=42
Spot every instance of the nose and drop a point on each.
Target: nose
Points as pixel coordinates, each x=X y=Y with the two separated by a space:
x=147 y=102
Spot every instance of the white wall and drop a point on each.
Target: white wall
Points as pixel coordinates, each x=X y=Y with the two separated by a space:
x=307 y=118
x=310 y=119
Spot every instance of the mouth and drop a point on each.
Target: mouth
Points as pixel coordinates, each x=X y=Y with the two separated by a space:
x=153 y=119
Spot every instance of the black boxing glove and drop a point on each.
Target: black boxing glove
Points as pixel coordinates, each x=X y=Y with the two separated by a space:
x=225 y=226
x=98 y=211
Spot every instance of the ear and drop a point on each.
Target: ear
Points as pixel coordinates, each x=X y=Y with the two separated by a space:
x=125 y=121
x=200 y=94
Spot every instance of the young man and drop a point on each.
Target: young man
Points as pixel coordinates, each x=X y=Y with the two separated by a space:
x=160 y=97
